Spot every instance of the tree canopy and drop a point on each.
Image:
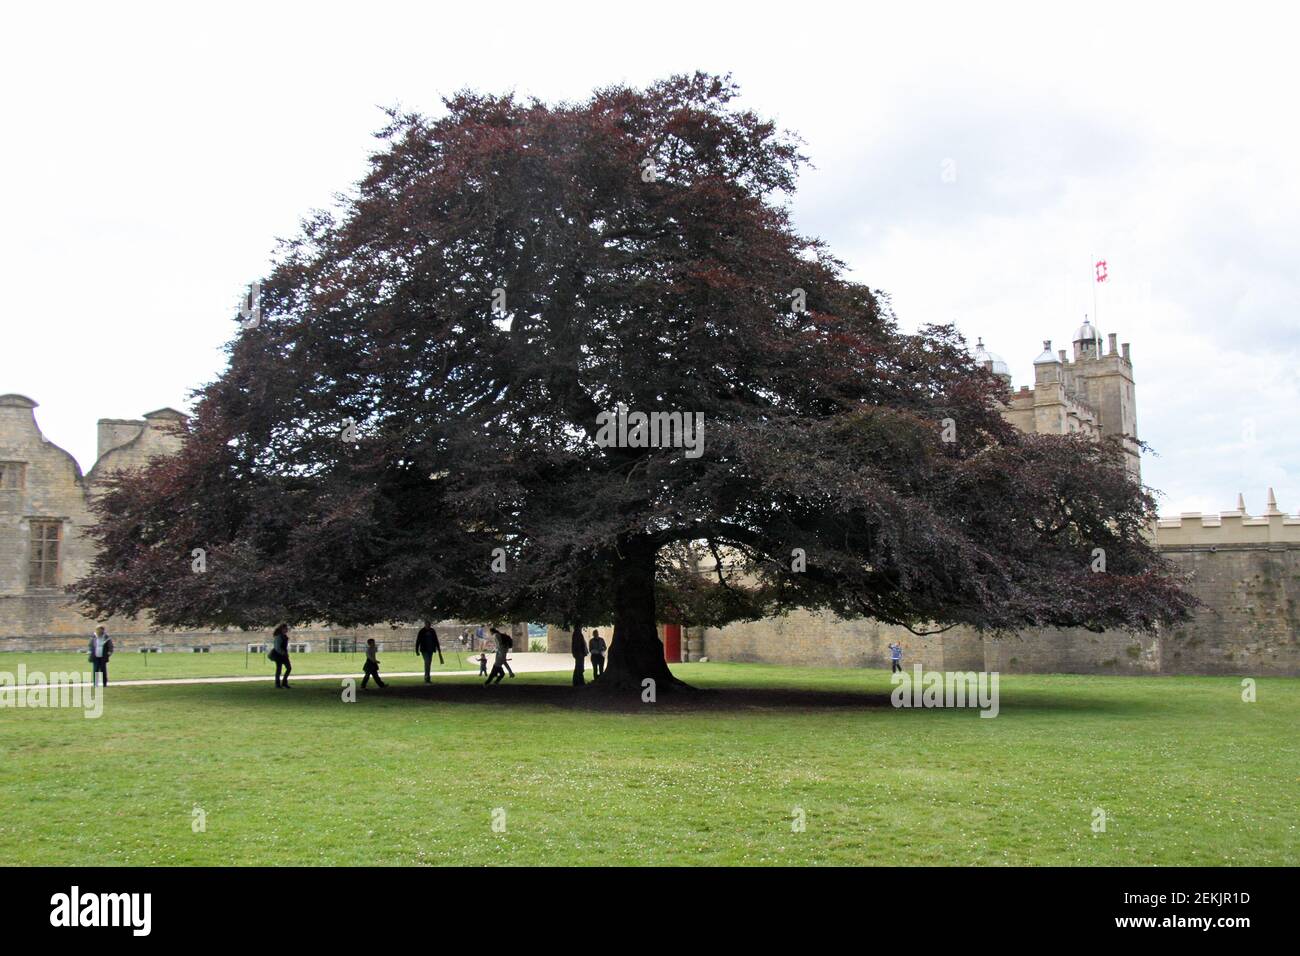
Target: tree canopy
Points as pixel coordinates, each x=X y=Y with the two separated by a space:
x=412 y=428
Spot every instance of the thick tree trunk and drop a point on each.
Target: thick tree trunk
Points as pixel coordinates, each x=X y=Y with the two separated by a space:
x=636 y=653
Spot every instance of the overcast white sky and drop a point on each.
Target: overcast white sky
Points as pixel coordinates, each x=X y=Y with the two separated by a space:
x=153 y=154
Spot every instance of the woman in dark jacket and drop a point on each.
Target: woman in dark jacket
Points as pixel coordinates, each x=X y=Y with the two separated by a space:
x=280 y=654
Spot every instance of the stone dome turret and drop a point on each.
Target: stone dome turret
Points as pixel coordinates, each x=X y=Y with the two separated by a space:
x=1086 y=333
x=983 y=356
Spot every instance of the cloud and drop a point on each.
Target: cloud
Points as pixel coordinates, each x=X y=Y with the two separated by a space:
x=1200 y=244
x=155 y=154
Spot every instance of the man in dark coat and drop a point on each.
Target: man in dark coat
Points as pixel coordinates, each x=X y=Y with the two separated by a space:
x=426 y=645
x=579 y=653
x=101 y=649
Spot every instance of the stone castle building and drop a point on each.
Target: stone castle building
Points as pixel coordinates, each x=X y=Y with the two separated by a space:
x=1246 y=569
x=1090 y=393
x=45 y=508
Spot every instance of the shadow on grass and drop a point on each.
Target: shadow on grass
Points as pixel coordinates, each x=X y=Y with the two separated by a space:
x=534 y=693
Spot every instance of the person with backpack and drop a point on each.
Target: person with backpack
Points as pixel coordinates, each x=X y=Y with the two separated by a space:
x=498 y=637
x=598 y=648
x=579 y=650
x=371 y=667
x=101 y=649
x=426 y=645
x=280 y=654
x=510 y=645
x=499 y=665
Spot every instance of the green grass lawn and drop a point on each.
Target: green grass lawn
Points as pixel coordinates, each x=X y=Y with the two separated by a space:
x=135 y=666
x=1186 y=772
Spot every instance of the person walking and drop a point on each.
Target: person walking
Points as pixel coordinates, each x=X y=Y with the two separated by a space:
x=101 y=649
x=579 y=649
x=499 y=665
x=896 y=657
x=510 y=645
x=280 y=654
x=371 y=667
x=426 y=645
x=598 y=648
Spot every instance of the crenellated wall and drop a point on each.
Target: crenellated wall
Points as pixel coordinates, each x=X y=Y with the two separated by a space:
x=1247 y=571
x=1229 y=528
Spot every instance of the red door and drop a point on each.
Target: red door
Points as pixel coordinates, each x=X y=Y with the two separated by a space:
x=673 y=643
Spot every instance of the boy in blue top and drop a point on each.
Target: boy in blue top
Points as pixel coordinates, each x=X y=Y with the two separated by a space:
x=896 y=657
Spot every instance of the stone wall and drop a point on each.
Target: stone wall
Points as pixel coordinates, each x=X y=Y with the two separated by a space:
x=1073 y=651
x=559 y=640
x=823 y=640
x=1244 y=569
x=826 y=641
x=1250 y=623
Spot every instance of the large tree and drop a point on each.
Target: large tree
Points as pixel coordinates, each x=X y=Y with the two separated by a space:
x=414 y=427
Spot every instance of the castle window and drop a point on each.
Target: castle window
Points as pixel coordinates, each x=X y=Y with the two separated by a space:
x=11 y=475
x=43 y=560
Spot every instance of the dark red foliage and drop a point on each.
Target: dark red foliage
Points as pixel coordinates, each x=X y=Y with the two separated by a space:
x=822 y=428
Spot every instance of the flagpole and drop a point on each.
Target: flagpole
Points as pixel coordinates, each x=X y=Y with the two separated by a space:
x=1096 y=321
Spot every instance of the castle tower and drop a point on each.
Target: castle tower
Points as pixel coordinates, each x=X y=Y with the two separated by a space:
x=1104 y=378
x=1092 y=394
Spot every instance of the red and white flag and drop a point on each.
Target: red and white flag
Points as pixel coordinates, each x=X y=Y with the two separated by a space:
x=1101 y=270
